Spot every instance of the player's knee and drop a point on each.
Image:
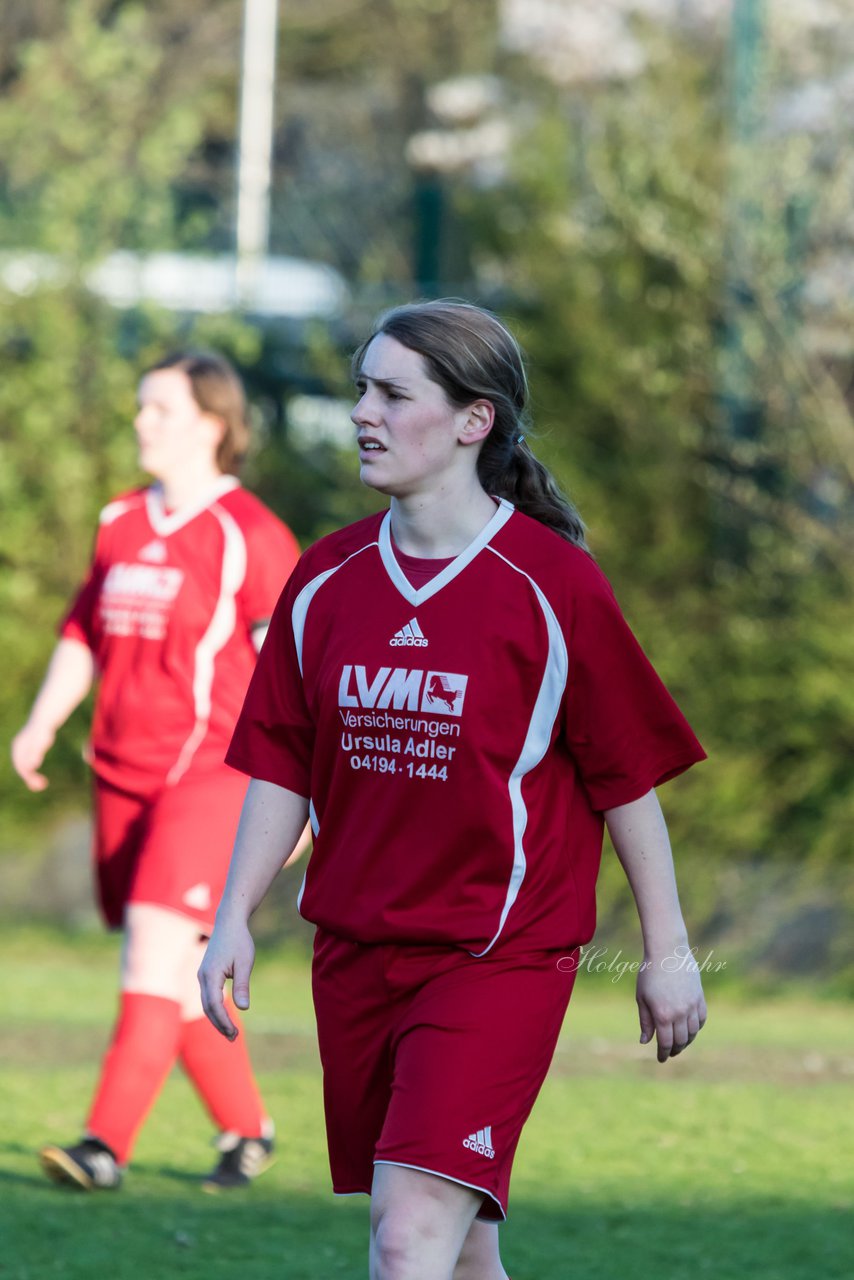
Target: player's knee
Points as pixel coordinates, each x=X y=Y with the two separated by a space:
x=404 y=1235
x=410 y=1238
x=419 y=1222
x=161 y=952
x=391 y=1252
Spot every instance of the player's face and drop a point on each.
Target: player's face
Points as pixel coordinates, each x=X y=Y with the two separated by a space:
x=173 y=432
x=409 y=434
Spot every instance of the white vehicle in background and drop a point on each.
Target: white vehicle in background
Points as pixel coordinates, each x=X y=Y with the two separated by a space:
x=282 y=287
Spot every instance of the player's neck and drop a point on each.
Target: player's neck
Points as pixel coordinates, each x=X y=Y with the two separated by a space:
x=189 y=488
x=440 y=525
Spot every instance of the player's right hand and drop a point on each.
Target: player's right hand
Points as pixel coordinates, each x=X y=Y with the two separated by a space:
x=29 y=748
x=230 y=954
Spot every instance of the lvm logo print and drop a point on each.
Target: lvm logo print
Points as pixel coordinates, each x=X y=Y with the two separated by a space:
x=403 y=688
x=142 y=582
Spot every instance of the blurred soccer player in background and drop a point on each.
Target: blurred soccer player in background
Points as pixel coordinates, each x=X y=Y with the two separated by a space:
x=168 y=624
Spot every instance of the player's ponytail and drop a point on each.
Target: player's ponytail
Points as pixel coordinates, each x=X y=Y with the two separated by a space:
x=508 y=469
x=472 y=356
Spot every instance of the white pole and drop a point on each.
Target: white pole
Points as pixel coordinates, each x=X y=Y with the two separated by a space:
x=258 y=81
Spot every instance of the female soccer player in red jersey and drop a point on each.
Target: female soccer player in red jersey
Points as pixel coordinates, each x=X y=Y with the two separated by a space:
x=451 y=693
x=184 y=579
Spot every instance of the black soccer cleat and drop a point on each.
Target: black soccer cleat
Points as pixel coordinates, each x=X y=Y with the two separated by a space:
x=90 y=1165
x=242 y=1160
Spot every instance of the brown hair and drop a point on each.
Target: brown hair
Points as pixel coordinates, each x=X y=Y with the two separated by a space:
x=217 y=390
x=472 y=356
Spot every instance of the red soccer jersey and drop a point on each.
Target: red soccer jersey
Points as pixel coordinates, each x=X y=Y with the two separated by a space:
x=168 y=610
x=458 y=741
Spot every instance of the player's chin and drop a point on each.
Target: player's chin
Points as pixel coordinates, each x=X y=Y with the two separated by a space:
x=147 y=459
x=371 y=474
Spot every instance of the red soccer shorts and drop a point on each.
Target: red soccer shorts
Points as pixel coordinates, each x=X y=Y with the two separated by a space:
x=171 y=849
x=433 y=1059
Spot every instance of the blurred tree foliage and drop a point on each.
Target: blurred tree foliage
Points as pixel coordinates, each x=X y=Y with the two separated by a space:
x=97 y=121
x=731 y=553
x=607 y=241
x=117 y=130
x=354 y=78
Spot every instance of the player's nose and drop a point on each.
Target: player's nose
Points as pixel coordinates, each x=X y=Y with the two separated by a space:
x=140 y=419
x=364 y=412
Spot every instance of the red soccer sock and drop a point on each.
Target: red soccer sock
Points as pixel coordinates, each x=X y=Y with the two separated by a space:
x=222 y=1074
x=143 y=1050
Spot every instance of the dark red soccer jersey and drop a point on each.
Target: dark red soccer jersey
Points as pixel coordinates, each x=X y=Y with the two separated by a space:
x=168 y=610
x=458 y=741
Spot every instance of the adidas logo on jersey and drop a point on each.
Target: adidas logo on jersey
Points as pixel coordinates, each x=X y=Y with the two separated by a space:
x=481 y=1143
x=410 y=635
x=199 y=897
x=154 y=552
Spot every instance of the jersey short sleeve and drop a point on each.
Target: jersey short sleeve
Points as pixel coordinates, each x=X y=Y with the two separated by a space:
x=625 y=732
x=274 y=736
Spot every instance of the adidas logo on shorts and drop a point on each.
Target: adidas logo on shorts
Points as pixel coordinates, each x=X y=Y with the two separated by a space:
x=410 y=635
x=481 y=1142
x=199 y=897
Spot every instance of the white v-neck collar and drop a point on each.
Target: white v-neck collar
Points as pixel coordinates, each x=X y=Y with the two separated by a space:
x=404 y=586
x=164 y=524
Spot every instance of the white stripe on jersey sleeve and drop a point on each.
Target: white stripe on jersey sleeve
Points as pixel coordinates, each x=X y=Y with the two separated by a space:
x=536 y=742
x=113 y=510
x=305 y=597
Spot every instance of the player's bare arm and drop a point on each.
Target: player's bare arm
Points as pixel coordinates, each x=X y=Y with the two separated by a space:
x=670 y=998
x=271 y=824
x=67 y=681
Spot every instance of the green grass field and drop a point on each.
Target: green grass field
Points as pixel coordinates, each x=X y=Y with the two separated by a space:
x=734 y=1161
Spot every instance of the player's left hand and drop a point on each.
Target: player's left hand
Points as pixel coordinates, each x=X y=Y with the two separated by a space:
x=30 y=745
x=230 y=954
x=671 y=1004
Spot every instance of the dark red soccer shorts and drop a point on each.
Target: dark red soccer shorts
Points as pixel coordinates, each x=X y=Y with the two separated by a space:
x=433 y=1059
x=171 y=849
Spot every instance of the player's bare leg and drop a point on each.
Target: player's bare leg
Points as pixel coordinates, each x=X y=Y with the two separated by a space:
x=480 y=1258
x=419 y=1224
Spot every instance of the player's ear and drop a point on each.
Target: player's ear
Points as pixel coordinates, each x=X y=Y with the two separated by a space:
x=478 y=423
